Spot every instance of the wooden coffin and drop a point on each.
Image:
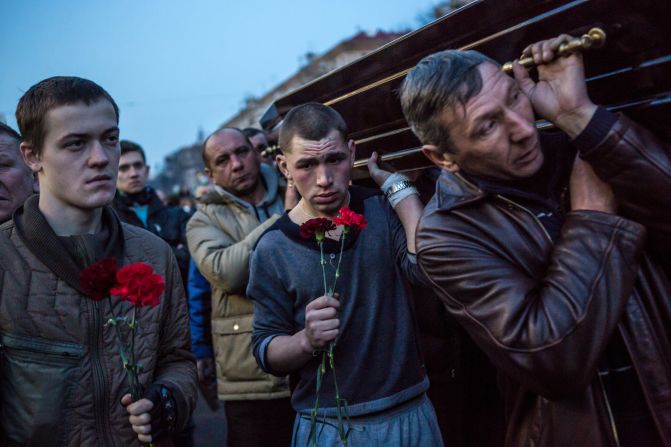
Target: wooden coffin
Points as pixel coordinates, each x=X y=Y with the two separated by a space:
x=631 y=73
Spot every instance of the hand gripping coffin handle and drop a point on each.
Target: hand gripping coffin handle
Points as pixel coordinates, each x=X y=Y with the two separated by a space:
x=595 y=38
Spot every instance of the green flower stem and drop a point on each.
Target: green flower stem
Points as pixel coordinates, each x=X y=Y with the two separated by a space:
x=342 y=247
x=321 y=369
x=339 y=409
x=322 y=262
x=132 y=367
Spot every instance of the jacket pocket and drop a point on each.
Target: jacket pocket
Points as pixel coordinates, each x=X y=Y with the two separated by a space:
x=232 y=339
x=37 y=380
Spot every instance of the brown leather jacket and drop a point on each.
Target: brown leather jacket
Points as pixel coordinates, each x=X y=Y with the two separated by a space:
x=544 y=312
x=61 y=377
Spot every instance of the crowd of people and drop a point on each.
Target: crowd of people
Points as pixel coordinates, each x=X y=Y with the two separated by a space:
x=516 y=294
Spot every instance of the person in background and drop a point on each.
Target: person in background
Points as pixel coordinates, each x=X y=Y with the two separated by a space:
x=17 y=181
x=259 y=141
x=139 y=205
x=246 y=200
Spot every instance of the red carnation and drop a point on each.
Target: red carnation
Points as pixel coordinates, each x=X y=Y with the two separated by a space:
x=98 y=278
x=316 y=228
x=139 y=284
x=350 y=219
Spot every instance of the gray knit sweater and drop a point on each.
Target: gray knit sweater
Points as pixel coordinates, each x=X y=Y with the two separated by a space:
x=377 y=357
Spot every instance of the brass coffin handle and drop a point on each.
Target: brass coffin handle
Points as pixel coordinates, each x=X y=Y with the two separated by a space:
x=595 y=38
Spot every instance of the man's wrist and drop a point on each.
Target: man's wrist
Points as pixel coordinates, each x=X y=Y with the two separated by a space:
x=574 y=122
x=304 y=342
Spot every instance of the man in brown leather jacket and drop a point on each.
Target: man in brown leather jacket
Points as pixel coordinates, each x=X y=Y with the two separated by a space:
x=62 y=381
x=557 y=269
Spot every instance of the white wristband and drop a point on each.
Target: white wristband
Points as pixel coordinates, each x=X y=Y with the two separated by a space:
x=394 y=178
x=397 y=187
x=396 y=197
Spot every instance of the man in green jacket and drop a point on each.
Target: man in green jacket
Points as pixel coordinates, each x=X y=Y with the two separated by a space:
x=63 y=381
x=245 y=202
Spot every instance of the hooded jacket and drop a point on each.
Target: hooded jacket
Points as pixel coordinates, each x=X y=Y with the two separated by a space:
x=545 y=312
x=61 y=376
x=221 y=236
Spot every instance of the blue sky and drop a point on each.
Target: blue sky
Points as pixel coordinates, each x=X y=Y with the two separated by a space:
x=177 y=66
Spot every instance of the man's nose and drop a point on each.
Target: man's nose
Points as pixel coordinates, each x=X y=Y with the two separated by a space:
x=98 y=155
x=236 y=163
x=520 y=127
x=324 y=177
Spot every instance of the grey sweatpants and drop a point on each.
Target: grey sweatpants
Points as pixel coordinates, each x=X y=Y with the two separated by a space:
x=411 y=424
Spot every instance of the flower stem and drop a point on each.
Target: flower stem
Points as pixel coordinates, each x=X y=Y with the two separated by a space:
x=132 y=367
x=342 y=246
x=322 y=262
x=339 y=410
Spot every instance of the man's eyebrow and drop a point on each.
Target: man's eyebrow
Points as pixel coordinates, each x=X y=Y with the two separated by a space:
x=84 y=135
x=307 y=159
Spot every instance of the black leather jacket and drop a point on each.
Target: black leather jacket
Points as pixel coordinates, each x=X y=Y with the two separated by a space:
x=544 y=312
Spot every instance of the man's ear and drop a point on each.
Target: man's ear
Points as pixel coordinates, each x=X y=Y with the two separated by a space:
x=281 y=161
x=208 y=172
x=443 y=160
x=30 y=157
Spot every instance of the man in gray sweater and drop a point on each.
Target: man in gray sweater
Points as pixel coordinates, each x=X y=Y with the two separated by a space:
x=379 y=365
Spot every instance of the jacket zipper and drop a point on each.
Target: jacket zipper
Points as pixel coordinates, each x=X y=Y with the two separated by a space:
x=95 y=345
x=99 y=382
x=611 y=419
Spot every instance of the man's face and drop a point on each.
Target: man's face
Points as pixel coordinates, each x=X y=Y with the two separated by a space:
x=16 y=179
x=77 y=167
x=320 y=170
x=133 y=173
x=260 y=143
x=495 y=135
x=233 y=164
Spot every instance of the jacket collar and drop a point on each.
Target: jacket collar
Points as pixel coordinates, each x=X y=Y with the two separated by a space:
x=219 y=196
x=34 y=230
x=453 y=190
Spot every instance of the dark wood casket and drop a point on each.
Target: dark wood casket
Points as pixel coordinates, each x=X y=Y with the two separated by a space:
x=630 y=73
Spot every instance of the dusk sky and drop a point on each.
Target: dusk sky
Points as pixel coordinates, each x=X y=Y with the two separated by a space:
x=175 y=67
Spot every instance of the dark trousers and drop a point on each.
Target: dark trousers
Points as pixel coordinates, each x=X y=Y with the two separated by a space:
x=262 y=423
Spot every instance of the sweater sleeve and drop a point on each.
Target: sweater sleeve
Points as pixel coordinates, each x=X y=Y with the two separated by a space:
x=273 y=306
x=406 y=261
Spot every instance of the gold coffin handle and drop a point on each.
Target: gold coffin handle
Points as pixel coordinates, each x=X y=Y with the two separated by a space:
x=595 y=38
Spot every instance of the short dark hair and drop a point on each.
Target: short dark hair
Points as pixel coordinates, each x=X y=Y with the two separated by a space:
x=439 y=81
x=252 y=131
x=312 y=121
x=6 y=130
x=50 y=93
x=129 y=146
x=206 y=162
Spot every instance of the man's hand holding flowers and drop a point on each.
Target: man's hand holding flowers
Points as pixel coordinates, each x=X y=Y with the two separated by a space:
x=322 y=324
